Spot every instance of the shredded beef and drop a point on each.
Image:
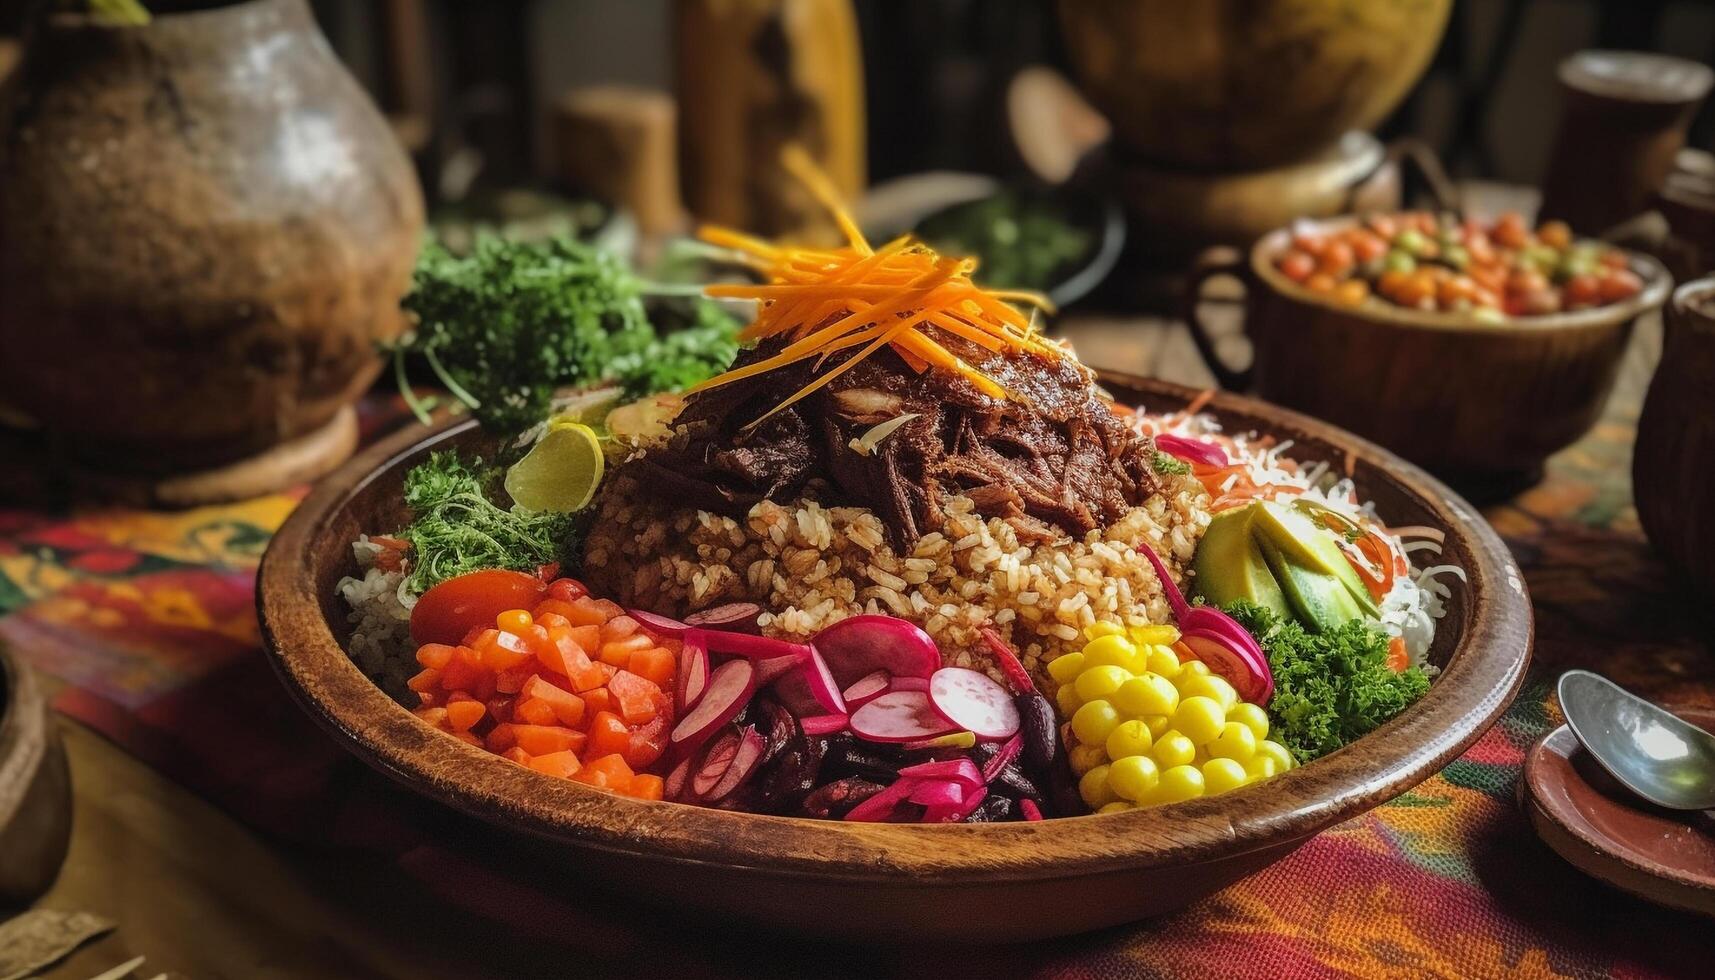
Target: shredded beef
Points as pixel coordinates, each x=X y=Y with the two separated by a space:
x=1053 y=457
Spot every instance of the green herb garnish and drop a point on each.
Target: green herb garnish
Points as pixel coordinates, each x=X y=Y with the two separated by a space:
x=457 y=527
x=1167 y=464
x=506 y=325
x=1330 y=688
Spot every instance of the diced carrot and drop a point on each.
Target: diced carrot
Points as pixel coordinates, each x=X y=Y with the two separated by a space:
x=542 y=739
x=609 y=772
x=463 y=715
x=501 y=738
x=567 y=707
x=596 y=699
x=564 y=654
x=558 y=608
x=584 y=611
x=618 y=628
x=501 y=650
x=1398 y=659
x=510 y=680
x=618 y=652
x=634 y=697
x=434 y=716
x=562 y=764
x=467 y=738
x=588 y=637
x=535 y=711
x=589 y=677
x=608 y=734
x=551 y=621
x=424 y=680
x=434 y=655
x=517 y=755
x=648 y=741
x=647 y=787
x=655 y=665
x=608 y=608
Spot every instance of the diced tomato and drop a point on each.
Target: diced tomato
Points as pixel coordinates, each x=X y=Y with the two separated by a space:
x=648 y=741
x=585 y=611
x=567 y=589
x=551 y=621
x=463 y=671
x=596 y=699
x=510 y=680
x=501 y=737
x=535 y=711
x=446 y=612
x=587 y=637
x=563 y=654
x=561 y=764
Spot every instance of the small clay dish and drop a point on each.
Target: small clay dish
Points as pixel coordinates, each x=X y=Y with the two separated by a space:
x=1608 y=832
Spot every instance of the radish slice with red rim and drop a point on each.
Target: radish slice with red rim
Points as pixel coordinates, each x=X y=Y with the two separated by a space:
x=938 y=792
x=1252 y=684
x=861 y=645
x=658 y=624
x=960 y=770
x=737 y=617
x=824 y=724
x=745 y=645
x=673 y=788
x=729 y=689
x=693 y=676
x=713 y=761
x=972 y=701
x=884 y=804
x=744 y=760
x=810 y=689
x=898 y=716
x=772 y=669
x=908 y=684
x=866 y=688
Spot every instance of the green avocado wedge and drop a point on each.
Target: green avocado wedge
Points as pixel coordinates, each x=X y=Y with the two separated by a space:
x=1230 y=565
x=1309 y=546
x=1318 y=600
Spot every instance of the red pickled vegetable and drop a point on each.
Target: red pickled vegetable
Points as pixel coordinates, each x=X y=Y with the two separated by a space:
x=1192 y=450
x=1031 y=811
x=810 y=688
x=824 y=724
x=861 y=645
x=1010 y=665
x=729 y=690
x=1009 y=750
x=972 y=701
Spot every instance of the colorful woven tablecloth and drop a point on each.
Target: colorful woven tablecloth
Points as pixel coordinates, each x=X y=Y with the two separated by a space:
x=149 y=617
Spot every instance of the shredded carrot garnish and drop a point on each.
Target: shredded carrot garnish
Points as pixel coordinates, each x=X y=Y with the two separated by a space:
x=821 y=301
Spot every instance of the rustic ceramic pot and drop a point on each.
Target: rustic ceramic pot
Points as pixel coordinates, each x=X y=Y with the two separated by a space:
x=1004 y=882
x=205 y=228
x=1480 y=404
x=1223 y=85
x=35 y=789
x=1676 y=439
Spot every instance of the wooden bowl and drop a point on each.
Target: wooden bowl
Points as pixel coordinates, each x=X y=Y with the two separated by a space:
x=35 y=789
x=993 y=882
x=1676 y=434
x=1480 y=404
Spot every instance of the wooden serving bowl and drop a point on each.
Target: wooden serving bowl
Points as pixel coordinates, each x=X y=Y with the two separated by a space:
x=35 y=788
x=991 y=882
x=1480 y=404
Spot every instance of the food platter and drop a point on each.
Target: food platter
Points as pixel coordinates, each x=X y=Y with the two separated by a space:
x=1004 y=881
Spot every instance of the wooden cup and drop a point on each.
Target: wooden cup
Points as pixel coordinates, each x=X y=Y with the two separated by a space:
x=1676 y=436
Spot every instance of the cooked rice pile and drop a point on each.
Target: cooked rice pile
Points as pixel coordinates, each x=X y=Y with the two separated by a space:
x=810 y=566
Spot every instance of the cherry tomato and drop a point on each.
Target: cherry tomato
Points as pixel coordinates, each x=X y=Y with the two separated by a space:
x=567 y=590
x=1337 y=258
x=447 y=612
x=1555 y=234
x=1583 y=290
x=1510 y=231
x=1620 y=284
x=1297 y=266
x=1321 y=282
x=1352 y=292
x=1367 y=246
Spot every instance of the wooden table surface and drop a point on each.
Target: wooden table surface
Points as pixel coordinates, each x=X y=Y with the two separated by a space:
x=202 y=896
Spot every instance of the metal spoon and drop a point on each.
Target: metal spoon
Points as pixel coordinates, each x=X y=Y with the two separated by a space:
x=1664 y=759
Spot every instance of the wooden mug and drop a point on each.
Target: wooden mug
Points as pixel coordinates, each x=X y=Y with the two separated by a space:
x=1481 y=404
x=1676 y=435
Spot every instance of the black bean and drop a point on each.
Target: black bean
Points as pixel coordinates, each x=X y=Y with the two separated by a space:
x=1040 y=729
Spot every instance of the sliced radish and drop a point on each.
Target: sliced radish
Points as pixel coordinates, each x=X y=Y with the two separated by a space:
x=768 y=671
x=693 y=676
x=939 y=792
x=658 y=624
x=673 y=788
x=958 y=812
x=909 y=684
x=884 y=804
x=824 y=724
x=960 y=770
x=737 y=617
x=970 y=700
x=866 y=688
x=1253 y=685
x=899 y=716
x=862 y=645
x=810 y=689
x=713 y=762
x=745 y=645
x=729 y=689
x=744 y=760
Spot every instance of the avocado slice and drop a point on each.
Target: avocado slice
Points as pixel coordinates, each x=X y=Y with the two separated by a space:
x=1318 y=600
x=1310 y=547
x=1230 y=565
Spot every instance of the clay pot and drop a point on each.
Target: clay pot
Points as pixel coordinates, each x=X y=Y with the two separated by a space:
x=1480 y=404
x=205 y=228
x=1676 y=437
x=1242 y=84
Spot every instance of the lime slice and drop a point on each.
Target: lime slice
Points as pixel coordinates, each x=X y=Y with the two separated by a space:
x=560 y=473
